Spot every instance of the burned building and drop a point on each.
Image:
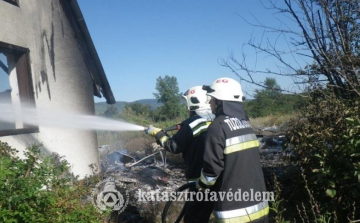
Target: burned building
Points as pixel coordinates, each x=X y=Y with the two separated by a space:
x=48 y=60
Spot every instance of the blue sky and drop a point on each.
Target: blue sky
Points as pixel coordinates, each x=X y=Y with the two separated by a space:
x=140 y=40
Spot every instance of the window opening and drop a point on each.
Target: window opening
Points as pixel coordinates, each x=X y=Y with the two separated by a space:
x=15 y=89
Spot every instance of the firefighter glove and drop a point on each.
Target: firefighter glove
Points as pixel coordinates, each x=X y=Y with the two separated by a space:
x=159 y=135
x=152 y=130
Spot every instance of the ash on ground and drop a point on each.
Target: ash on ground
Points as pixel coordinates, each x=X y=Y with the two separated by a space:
x=152 y=175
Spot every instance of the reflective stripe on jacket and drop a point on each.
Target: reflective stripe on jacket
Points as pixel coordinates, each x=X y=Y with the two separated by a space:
x=232 y=163
x=247 y=214
x=190 y=141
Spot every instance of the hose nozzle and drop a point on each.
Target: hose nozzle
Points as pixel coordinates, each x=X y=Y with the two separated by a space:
x=146 y=130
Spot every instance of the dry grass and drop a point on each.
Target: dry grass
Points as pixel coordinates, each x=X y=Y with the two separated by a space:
x=139 y=144
x=272 y=120
x=131 y=141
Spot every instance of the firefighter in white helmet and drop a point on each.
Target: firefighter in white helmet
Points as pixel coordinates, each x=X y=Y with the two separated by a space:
x=189 y=140
x=197 y=101
x=231 y=157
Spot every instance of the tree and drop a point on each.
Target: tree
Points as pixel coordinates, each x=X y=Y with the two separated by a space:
x=267 y=99
x=111 y=111
x=137 y=113
x=168 y=94
x=138 y=108
x=325 y=31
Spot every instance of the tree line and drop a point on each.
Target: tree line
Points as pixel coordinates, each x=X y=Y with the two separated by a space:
x=267 y=101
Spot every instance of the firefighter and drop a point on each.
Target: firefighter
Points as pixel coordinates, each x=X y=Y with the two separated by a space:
x=231 y=158
x=189 y=140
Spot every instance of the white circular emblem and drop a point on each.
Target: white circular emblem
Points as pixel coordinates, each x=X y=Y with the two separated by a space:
x=105 y=196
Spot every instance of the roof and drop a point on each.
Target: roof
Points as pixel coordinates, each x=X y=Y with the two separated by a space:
x=88 y=51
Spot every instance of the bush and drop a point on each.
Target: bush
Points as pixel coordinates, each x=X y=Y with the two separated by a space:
x=327 y=143
x=41 y=189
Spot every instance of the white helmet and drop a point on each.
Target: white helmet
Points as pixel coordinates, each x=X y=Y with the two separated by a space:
x=196 y=99
x=225 y=89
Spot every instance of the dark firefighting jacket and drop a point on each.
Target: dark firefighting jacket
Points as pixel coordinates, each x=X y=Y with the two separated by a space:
x=232 y=164
x=189 y=140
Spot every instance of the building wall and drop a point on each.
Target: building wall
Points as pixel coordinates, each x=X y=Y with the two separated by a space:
x=61 y=80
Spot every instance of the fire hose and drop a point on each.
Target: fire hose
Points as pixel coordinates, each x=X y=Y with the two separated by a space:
x=171 y=128
x=168 y=204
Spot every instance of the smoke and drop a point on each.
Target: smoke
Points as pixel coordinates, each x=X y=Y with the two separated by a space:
x=61 y=119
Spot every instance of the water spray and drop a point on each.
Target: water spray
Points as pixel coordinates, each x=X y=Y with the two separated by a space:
x=62 y=119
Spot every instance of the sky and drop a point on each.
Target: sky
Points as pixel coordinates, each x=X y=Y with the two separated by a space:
x=140 y=40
